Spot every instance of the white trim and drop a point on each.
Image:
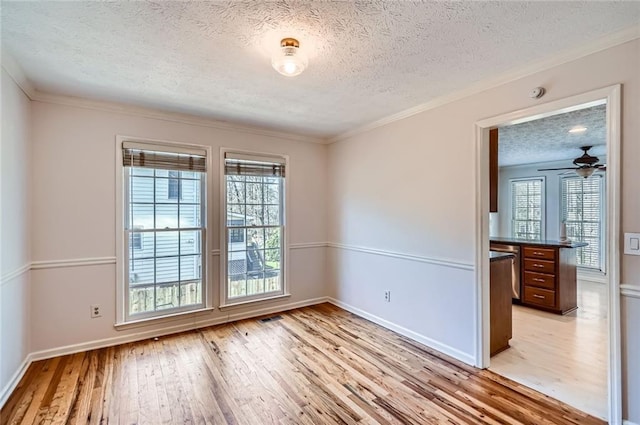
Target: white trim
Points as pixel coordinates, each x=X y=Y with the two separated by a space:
x=163 y=115
x=558 y=59
x=253 y=301
x=12 y=275
x=632 y=291
x=196 y=324
x=15 y=379
x=626 y=422
x=443 y=348
x=410 y=257
x=612 y=94
x=591 y=276
x=73 y=262
x=308 y=245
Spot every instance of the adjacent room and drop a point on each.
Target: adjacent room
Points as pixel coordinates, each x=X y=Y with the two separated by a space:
x=319 y=212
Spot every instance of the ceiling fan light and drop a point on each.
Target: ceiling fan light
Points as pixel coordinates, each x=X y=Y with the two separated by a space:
x=585 y=171
x=288 y=60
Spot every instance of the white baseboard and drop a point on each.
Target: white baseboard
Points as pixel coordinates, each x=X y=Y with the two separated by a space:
x=626 y=422
x=443 y=348
x=168 y=330
x=15 y=380
x=139 y=336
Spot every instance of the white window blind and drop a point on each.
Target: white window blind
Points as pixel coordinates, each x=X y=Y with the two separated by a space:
x=527 y=205
x=164 y=229
x=582 y=206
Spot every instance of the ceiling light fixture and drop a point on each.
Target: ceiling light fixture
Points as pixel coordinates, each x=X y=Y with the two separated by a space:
x=578 y=129
x=288 y=60
x=585 y=171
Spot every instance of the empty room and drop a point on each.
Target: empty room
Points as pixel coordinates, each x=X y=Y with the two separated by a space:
x=320 y=212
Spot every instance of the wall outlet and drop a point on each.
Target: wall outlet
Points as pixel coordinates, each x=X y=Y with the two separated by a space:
x=95 y=311
x=387 y=296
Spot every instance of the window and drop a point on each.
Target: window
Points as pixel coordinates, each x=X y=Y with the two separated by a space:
x=164 y=235
x=174 y=190
x=254 y=227
x=527 y=207
x=582 y=206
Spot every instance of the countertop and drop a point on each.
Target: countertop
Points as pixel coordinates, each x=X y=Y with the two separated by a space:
x=546 y=242
x=496 y=256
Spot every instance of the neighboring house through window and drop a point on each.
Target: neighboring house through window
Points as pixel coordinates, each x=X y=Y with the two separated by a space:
x=582 y=212
x=254 y=226
x=164 y=227
x=527 y=208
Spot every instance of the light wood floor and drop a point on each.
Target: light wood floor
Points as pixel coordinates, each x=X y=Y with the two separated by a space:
x=562 y=356
x=317 y=365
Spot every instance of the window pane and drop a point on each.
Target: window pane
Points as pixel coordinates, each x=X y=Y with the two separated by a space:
x=190 y=191
x=190 y=267
x=141 y=171
x=141 y=217
x=141 y=189
x=141 y=271
x=166 y=243
x=166 y=216
x=235 y=190
x=235 y=215
x=189 y=215
x=190 y=293
x=167 y=295
x=254 y=215
x=254 y=193
x=272 y=194
x=190 y=242
x=167 y=269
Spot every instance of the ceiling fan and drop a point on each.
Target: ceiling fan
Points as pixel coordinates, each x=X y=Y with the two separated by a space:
x=586 y=164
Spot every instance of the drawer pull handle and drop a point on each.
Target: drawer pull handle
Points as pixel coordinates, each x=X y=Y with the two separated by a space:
x=540 y=266
x=535 y=279
x=538 y=296
x=537 y=253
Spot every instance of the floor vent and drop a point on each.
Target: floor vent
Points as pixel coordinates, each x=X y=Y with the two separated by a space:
x=270 y=319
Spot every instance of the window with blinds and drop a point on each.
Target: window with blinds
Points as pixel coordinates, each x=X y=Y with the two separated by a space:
x=527 y=208
x=582 y=206
x=164 y=228
x=254 y=226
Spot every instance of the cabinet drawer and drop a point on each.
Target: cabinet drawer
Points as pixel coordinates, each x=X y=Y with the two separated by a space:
x=541 y=266
x=542 y=253
x=540 y=279
x=538 y=296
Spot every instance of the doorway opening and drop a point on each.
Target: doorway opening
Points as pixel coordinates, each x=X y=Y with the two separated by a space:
x=559 y=234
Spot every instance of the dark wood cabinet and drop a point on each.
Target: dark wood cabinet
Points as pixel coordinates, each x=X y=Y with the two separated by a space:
x=549 y=278
x=500 y=303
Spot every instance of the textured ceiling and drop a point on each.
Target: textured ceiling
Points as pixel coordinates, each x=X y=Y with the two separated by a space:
x=368 y=59
x=548 y=139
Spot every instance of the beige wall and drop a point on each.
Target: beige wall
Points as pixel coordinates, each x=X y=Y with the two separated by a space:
x=74 y=218
x=15 y=235
x=408 y=189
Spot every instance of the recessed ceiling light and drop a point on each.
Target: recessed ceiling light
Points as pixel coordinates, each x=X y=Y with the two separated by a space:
x=578 y=129
x=288 y=60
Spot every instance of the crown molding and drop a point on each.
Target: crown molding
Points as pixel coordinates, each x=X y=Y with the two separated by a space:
x=16 y=73
x=603 y=43
x=122 y=108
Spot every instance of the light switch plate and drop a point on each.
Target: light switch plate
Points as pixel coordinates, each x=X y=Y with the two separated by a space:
x=632 y=243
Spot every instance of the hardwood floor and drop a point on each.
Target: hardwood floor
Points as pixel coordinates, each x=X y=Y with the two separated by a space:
x=563 y=356
x=317 y=365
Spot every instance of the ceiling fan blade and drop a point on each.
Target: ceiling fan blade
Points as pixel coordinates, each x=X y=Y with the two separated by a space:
x=555 y=169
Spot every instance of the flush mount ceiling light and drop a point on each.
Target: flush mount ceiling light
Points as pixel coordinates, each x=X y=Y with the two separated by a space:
x=288 y=60
x=578 y=129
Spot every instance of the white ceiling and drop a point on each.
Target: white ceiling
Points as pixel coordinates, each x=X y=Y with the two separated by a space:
x=368 y=59
x=548 y=139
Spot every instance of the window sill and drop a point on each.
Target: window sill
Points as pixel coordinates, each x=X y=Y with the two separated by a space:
x=161 y=319
x=257 y=300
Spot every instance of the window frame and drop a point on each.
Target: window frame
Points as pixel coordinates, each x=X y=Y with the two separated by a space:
x=603 y=220
x=123 y=318
x=285 y=292
x=543 y=206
